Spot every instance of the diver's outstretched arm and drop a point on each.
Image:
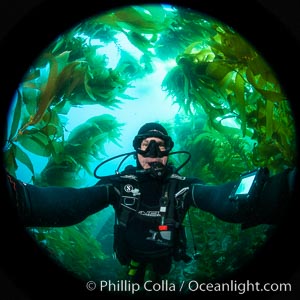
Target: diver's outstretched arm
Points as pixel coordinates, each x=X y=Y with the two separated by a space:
x=270 y=206
x=55 y=206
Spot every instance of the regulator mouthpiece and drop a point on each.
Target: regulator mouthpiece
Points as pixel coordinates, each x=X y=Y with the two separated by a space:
x=157 y=169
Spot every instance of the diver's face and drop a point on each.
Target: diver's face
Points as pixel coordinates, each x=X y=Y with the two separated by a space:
x=156 y=145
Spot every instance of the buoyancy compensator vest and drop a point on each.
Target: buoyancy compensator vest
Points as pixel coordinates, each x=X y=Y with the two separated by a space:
x=167 y=231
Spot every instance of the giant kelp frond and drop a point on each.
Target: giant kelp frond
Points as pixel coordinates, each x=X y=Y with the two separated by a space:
x=142 y=19
x=70 y=164
x=61 y=78
x=218 y=158
x=73 y=243
x=221 y=247
x=226 y=76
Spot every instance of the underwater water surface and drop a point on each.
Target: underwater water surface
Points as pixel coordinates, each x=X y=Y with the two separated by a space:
x=84 y=99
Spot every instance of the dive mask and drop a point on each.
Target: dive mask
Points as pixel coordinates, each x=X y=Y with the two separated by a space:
x=153 y=149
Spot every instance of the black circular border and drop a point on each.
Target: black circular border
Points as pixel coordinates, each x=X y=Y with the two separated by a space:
x=29 y=268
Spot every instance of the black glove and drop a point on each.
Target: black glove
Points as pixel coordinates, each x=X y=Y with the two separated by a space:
x=277 y=195
x=10 y=183
x=274 y=202
x=17 y=194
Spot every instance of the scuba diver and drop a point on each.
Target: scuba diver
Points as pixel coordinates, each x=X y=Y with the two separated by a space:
x=151 y=200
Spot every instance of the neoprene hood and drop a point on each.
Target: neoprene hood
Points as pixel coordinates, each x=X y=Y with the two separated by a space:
x=153 y=129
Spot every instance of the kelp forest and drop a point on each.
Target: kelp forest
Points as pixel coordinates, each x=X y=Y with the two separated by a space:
x=232 y=116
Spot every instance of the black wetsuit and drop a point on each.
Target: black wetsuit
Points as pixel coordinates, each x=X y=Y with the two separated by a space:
x=63 y=206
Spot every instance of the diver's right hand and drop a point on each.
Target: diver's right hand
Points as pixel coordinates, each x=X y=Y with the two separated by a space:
x=17 y=195
x=10 y=183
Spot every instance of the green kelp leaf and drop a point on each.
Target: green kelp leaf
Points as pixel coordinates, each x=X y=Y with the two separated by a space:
x=145 y=19
x=31 y=96
x=32 y=74
x=268 y=153
x=258 y=66
x=10 y=160
x=57 y=148
x=157 y=13
x=47 y=93
x=35 y=142
x=54 y=127
x=139 y=41
x=17 y=115
x=65 y=172
x=226 y=130
x=96 y=144
x=239 y=90
x=51 y=129
x=104 y=92
x=174 y=82
x=218 y=69
x=70 y=79
x=269 y=118
x=126 y=97
x=63 y=107
x=231 y=45
x=272 y=96
x=198 y=44
x=261 y=87
x=88 y=140
x=24 y=158
x=73 y=247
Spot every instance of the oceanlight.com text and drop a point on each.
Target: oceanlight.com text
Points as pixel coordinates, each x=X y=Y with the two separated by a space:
x=239 y=287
